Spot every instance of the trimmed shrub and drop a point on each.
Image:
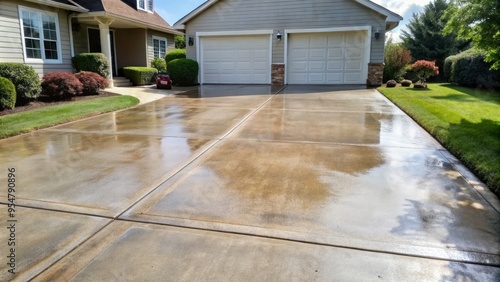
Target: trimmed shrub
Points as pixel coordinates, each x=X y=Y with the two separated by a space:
x=61 y=85
x=140 y=75
x=7 y=94
x=183 y=71
x=406 y=82
x=391 y=83
x=469 y=69
x=175 y=54
x=159 y=64
x=424 y=69
x=24 y=78
x=92 y=82
x=94 y=62
x=419 y=85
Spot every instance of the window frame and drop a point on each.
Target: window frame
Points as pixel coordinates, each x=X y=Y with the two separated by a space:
x=40 y=14
x=159 y=51
x=146 y=6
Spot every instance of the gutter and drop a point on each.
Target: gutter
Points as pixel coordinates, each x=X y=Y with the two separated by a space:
x=70 y=27
x=76 y=8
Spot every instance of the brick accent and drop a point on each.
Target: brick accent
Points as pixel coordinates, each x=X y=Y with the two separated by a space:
x=375 y=74
x=278 y=74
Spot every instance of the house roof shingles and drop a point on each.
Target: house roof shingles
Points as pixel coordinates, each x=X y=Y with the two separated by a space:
x=124 y=10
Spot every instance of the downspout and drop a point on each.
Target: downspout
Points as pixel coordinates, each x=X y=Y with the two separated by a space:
x=70 y=27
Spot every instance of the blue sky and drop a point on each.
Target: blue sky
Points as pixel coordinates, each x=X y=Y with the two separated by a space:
x=173 y=10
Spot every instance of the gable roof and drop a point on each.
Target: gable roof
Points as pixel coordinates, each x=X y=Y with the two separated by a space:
x=123 y=10
x=392 y=19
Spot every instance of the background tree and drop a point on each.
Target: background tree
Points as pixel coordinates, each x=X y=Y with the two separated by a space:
x=396 y=59
x=425 y=38
x=478 y=21
x=180 y=42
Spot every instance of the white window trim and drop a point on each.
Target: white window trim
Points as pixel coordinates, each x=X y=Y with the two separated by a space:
x=153 y=44
x=146 y=6
x=42 y=47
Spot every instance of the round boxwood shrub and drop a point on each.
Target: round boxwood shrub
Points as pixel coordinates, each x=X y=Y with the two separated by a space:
x=92 y=82
x=24 y=78
x=406 y=82
x=175 y=54
x=61 y=85
x=159 y=64
x=183 y=71
x=94 y=62
x=391 y=83
x=7 y=94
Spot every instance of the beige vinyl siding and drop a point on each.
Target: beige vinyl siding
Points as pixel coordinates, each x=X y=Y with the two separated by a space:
x=11 y=49
x=130 y=47
x=231 y=15
x=170 y=43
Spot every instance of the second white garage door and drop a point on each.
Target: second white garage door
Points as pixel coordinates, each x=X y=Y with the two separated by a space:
x=236 y=59
x=327 y=58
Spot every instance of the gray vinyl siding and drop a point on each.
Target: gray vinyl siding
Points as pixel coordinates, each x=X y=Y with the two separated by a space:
x=278 y=15
x=170 y=43
x=11 y=49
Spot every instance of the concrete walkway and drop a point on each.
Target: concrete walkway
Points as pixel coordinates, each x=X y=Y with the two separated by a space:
x=237 y=183
x=150 y=93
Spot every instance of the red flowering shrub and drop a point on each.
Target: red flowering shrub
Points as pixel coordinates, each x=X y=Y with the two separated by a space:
x=424 y=69
x=92 y=82
x=61 y=85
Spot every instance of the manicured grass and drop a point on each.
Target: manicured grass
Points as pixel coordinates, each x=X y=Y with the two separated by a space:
x=27 y=121
x=466 y=121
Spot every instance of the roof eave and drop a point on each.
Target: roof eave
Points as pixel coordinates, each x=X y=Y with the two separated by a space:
x=59 y=5
x=195 y=12
x=391 y=16
x=138 y=23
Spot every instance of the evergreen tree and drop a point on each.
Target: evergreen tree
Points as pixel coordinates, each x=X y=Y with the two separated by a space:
x=425 y=38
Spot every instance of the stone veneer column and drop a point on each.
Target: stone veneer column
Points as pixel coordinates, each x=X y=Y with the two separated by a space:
x=375 y=74
x=278 y=74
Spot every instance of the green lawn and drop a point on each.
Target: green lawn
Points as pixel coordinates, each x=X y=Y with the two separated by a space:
x=466 y=121
x=23 y=122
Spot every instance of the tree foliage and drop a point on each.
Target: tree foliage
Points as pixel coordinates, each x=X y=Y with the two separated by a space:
x=180 y=42
x=425 y=38
x=424 y=69
x=478 y=21
x=396 y=59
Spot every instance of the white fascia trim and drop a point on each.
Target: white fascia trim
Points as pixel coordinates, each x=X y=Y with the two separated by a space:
x=391 y=16
x=60 y=5
x=235 y=33
x=195 y=12
x=329 y=29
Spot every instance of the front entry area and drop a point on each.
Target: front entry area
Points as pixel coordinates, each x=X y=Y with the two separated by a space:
x=94 y=40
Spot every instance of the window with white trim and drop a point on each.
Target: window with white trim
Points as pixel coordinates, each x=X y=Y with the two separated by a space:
x=145 y=5
x=159 y=47
x=40 y=36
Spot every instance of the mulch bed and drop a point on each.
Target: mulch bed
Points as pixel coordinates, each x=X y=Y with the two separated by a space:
x=45 y=102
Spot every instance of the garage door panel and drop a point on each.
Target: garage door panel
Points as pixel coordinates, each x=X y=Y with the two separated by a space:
x=337 y=65
x=326 y=58
x=335 y=77
x=317 y=66
x=236 y=59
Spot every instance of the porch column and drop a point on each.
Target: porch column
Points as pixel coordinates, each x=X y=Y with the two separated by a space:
x=106 y=44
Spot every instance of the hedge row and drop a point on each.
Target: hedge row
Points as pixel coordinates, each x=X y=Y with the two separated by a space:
x=140 y=75
x=175 y=54
x=469 y=69
x=65 y=85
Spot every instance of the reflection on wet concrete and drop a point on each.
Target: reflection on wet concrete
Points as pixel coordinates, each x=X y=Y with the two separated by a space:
x=100 y=172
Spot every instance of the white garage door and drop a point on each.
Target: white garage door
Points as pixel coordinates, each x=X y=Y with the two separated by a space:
x=327 y=58
x=236 y=59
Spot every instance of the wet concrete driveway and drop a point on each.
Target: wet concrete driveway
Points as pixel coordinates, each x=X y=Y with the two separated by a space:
x=238 y=183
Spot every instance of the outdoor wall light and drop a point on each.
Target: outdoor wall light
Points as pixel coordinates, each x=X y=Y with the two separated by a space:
x=278 y=36
x=377 y=34
x=190 y=41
